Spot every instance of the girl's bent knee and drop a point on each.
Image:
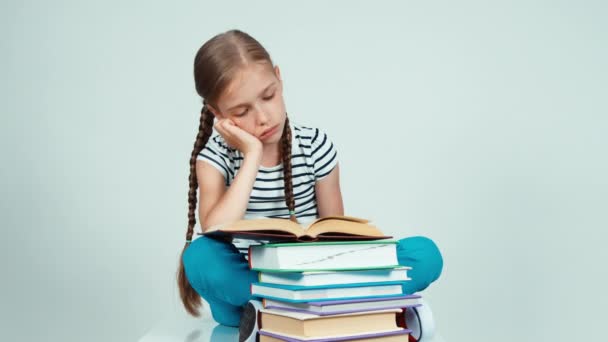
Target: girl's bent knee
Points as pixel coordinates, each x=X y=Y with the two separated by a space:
x=435 y=259
x=201 y=265
x=201 y=251
x=423 y=254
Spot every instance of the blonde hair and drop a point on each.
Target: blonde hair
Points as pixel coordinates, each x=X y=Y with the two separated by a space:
x=215 y=65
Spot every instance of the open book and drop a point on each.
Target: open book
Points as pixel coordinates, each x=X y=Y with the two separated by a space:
x=325 y=228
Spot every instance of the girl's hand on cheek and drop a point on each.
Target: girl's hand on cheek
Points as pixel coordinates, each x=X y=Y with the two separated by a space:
x=237 y=137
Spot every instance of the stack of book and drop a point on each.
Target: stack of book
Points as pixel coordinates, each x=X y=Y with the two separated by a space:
x=337 y=279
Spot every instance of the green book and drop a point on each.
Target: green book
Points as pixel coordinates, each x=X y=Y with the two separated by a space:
x=323 y=256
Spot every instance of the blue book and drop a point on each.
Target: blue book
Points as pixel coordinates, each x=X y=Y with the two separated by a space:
x=300 y=294
x=313 y=278
x=335 y=307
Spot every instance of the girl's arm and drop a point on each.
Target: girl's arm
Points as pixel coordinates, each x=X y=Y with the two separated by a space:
x=329 y=197
x=219 y=204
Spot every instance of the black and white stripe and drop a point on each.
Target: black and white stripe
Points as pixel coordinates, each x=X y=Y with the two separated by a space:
x=313 y=157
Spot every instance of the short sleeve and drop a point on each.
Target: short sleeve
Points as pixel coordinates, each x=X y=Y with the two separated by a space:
x=217 y=154
x=324 y=154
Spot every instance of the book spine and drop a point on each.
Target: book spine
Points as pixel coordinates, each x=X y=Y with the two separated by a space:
x=307 y=238
x=332 y=242
x=340 y=312
x=369 y=336
x=300 y=270
x=311 y=300
x=336 y=286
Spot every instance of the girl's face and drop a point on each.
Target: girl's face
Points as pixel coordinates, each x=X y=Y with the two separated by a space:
x=254 y=102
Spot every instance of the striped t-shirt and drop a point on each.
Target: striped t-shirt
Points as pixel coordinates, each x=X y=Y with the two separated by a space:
x=313 y=157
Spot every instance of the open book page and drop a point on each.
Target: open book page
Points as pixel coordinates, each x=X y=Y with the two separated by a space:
x=261 y=224
x=343 y=225
x=330 y=224
x=341 y=218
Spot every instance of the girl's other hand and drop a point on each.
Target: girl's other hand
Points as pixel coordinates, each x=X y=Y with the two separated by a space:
x=238 y=138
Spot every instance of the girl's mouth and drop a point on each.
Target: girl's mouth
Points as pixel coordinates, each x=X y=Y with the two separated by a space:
x=269 y=132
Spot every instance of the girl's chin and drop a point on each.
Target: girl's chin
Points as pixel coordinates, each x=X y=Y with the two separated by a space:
x=272 y=140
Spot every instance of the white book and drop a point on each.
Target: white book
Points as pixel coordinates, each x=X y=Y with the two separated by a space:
x=323 y=256
x=319 y=278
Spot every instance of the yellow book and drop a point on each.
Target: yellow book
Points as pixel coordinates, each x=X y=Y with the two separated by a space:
x=304 y=325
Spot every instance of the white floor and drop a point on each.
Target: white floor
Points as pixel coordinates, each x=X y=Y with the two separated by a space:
x=180 y=327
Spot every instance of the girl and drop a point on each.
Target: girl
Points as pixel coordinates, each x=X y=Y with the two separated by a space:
x=259 y=164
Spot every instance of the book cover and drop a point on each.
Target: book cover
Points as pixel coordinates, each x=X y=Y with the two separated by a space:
x=333 y=307
x=288 y=294
x=333 y=286
x=311 y=278
x=323 y=256
x=397 y=335
x=307 y=325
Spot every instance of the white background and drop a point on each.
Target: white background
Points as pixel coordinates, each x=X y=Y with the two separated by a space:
x=479 y=124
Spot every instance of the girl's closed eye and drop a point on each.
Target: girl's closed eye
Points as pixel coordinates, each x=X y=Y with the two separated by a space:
x=267 y=98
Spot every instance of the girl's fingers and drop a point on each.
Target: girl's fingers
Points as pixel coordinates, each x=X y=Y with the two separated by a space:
x=222 y=127
x=229 y=126
x=218 y=128
x=231 y=129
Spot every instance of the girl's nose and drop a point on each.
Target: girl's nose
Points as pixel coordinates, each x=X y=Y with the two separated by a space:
x=262 y=116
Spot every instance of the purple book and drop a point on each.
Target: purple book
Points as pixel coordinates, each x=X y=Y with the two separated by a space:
x=335 y=307
x=404 y=332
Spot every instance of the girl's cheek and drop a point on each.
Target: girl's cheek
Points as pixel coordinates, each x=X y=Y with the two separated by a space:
x=243 y=125
x=238 y=123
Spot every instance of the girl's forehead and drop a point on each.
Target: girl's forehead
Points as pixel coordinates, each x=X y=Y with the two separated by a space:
x=247 y=84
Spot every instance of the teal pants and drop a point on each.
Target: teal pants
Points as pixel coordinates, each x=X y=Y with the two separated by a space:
x=221 y=275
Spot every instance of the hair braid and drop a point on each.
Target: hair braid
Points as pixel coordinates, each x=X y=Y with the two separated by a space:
x=190 y=298
x=217 y=64
x=287 y=176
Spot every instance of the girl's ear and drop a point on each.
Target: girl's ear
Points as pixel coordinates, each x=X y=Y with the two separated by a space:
x=277 y=72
